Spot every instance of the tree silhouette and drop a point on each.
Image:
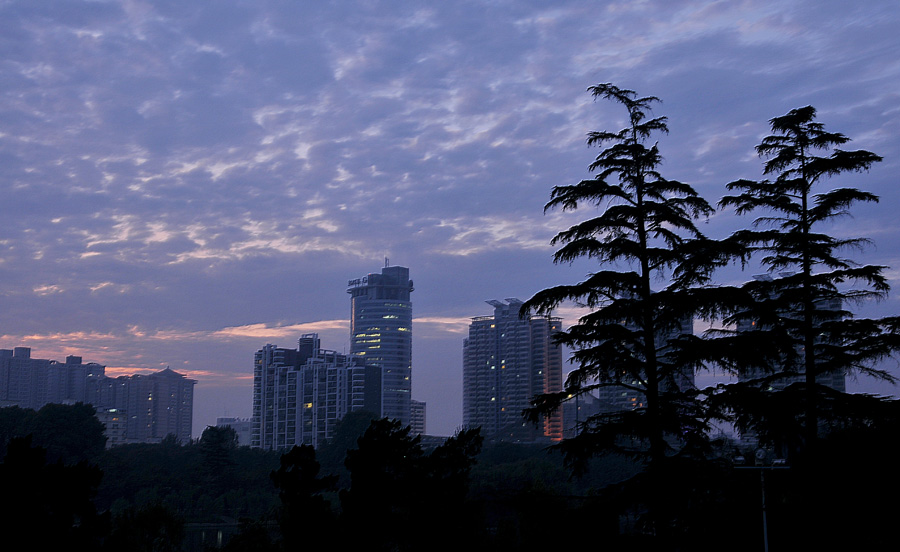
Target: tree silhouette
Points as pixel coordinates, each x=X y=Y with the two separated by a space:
x=384 y=483
x=152 y=528
x=303 y=508
x=803 y=332
x=644 y=236
x=399 y=497
x=68 y=432
x=49 y=503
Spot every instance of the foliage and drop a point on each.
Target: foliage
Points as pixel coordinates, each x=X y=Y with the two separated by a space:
x=348 y=430
x=384 y=484
x=304 y=510
x=644 y=235
x=803 y=332
x=14 y=422
x=399 y=497
x=49 y=503
x=149 y=529
x=178 y=477
x=71 y=433
x=217 y=446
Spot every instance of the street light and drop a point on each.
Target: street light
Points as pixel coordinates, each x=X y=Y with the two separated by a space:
x=762 y=462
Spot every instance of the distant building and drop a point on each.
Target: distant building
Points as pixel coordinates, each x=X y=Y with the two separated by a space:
x=33 y=382
x=275 y=395
x=152 y=405
x=619 y=397
x=828 y=309
x=158 y=405
x=243 y=427
x=577 y=410
x=332 y=385
x=115 y=422
x=381 y=333
x=300 y=395
x=417 y=417
x=507 y=360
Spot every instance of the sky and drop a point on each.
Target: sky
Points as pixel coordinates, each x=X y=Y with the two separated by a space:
x=185 y=182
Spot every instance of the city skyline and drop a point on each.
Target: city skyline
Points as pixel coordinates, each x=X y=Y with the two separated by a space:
x=184 y=183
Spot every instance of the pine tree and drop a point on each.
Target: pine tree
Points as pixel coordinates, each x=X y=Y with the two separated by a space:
x=802 y=328
x=644 y=236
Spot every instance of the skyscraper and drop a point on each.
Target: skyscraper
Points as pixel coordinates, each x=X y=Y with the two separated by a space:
x=381 y=332
x=506 y=361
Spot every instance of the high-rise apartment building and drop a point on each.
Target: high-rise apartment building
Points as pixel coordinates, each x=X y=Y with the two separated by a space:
x=157 y=405
x=146 y=408
x=299 y=395
x=381 y=333
x=625 y=397
x=33 y=382
x=507 y=360
x=827 y=310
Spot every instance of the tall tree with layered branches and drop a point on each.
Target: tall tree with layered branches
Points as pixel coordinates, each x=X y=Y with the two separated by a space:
x=803 y=330
x=652 y=258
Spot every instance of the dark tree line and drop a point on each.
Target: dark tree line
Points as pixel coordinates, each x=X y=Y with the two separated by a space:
x=399 y=496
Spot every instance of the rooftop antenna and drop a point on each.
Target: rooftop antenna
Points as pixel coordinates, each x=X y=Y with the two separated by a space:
x=386 y=261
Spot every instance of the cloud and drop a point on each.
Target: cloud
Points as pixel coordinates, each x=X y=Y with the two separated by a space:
x=213 y=173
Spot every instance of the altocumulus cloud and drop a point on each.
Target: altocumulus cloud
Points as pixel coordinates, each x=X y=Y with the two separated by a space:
x=183 y=182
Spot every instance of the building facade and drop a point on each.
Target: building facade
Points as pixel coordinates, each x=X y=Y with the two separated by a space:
x=157 y=405
x=507 y=360
x=33 y=382
x=243 y=428
x=146 y=408
x=299 y=395
x=381 y=333
x=417 y=420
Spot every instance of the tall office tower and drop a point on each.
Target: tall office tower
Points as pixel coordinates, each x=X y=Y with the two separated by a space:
x=300 y=395
x=614 y=398
x=381 y=332
x=506 y=361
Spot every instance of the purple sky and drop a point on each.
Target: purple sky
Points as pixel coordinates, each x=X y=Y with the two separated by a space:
x=184 y=182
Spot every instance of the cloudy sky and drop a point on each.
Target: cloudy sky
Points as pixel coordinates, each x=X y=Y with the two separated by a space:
x=184 y=182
